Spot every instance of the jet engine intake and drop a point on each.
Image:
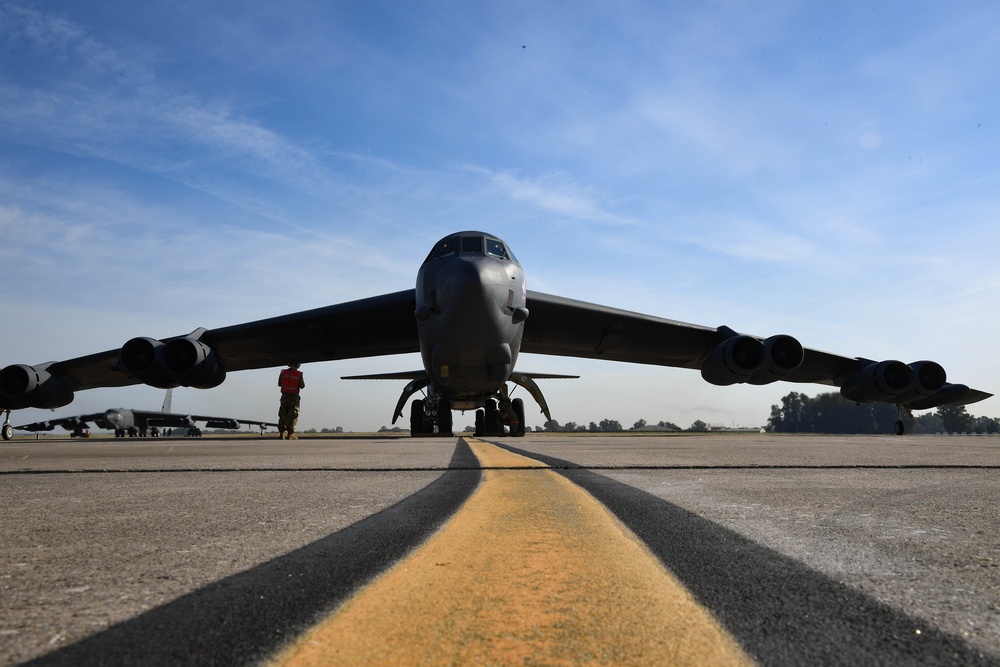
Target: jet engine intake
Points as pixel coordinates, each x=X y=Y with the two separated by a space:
x=881 y=381
x=784 y=356
x=142 y=358
x=734 y=360
x=23 y=386
x=930 y=379
x=193 y=364
x=180 y=362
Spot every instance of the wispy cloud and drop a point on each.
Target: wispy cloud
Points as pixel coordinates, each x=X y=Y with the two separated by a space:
x=825 y=167
x=557 y=195
x=113 y=106
x=756 y=242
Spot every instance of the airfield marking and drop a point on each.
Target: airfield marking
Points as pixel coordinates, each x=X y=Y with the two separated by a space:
x=531 y=569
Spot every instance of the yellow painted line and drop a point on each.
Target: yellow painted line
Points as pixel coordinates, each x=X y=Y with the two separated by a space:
x=532 y=570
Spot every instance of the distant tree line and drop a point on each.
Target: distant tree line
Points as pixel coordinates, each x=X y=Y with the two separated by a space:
x=798 y=413
x=613 y=426
x=832 y=413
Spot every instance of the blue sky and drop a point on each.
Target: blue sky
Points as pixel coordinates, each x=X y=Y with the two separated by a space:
x=827 y=170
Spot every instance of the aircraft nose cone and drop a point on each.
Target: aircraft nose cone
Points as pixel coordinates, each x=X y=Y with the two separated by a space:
x=458 y=271
x=460 y=282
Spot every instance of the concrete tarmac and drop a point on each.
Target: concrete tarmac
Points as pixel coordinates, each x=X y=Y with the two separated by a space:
x=805 y=549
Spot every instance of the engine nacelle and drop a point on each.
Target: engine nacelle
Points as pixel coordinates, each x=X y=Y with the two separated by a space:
x=23 y=386
x=230 y=424
x=142 y=358
x=179 y=362
x=784 y=356
x=880 y=381
x=734 y=360
x=193 y=364
x=930 y=379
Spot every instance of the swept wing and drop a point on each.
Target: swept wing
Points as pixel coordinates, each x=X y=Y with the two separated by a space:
x=566 y=327
x=471 y=281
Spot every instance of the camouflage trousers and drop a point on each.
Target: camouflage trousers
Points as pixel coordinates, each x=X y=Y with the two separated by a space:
x=288 y=413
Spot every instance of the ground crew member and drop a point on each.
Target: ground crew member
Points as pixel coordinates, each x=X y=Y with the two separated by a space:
x=290 y=380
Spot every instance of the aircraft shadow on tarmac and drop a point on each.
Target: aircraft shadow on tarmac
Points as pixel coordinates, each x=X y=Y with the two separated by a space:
x=779 y=610
x=246 y=617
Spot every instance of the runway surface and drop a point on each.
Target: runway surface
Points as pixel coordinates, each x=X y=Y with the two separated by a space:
x=548 y=549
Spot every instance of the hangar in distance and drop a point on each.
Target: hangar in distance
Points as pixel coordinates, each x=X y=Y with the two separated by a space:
x=470 y=316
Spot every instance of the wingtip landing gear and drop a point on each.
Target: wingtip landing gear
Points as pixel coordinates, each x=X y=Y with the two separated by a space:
x=899 y=428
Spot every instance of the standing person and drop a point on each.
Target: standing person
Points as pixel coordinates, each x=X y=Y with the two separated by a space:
x=290 y=380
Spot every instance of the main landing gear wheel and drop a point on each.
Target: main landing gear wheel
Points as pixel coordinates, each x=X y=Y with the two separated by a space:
x=480 y=423
x=492 y=416
x=444 y=417
x=8 y=431
x=517 y=405
x=898 y=427
x=416 y=417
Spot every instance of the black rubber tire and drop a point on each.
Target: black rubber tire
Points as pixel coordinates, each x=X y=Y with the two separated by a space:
x=416 y=417
x=444 y=417
x=517 y=405
x=493 y=425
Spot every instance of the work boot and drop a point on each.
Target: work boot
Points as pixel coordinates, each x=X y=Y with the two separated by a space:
x=283 y=435
x=292 y=436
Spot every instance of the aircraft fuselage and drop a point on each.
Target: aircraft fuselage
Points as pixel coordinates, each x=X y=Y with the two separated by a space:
x=117 y=419
x=470 y=298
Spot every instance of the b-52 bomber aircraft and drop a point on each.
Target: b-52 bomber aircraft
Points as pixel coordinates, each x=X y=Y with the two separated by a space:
x=131 y=422
x=469 y=317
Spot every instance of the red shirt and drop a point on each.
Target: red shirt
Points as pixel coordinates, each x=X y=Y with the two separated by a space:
x=290 y=381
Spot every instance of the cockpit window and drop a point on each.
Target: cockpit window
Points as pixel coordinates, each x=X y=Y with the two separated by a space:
x=445 y=248
x=472 y=244
x=469 y=245
x=497 y=249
